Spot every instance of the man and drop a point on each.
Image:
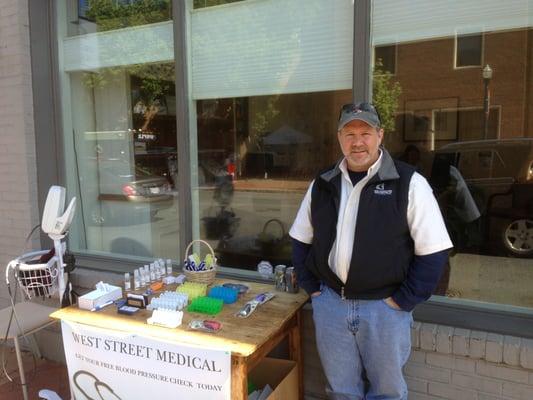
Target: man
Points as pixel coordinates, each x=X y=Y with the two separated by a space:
x=369 y=243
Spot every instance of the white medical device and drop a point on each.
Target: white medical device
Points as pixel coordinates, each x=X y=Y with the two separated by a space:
x=38 y=278
x=55 y=221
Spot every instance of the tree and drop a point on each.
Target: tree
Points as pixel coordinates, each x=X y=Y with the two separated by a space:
x=385 y=95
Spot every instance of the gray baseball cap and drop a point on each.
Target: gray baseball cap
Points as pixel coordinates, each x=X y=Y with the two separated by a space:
x=365 y=112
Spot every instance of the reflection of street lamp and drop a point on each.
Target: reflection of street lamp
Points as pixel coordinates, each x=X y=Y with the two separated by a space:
x=487 y=76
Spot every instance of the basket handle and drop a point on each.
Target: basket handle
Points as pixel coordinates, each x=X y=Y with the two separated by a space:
x=279 y=223
x=199 y=241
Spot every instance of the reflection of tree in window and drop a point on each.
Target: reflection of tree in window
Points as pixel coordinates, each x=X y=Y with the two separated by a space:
x=113 y=14
x=385 y=95
x=155 y=79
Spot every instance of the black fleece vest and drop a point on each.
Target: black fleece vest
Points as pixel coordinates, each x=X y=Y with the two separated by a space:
x=383 y=248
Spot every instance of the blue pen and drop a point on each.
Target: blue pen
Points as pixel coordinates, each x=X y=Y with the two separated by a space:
x=102 y=305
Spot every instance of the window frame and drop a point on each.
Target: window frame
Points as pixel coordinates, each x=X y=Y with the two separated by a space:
x=469 y=314
x=456 y=48
x=493 y=108
x=395 y=45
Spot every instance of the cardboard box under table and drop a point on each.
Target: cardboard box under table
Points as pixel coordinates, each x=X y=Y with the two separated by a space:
x=280 y=375
x=248 y=339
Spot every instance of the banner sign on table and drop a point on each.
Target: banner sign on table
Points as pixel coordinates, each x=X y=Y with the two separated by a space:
x=111 y=365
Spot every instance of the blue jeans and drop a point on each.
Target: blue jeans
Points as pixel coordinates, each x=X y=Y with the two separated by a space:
x=356 y=337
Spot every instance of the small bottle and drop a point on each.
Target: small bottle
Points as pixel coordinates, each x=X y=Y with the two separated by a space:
x=147 y=274
x=136 y=280
x=157 y=271
x=152 y=272
x=142 y=274
x=169 y=267
x=127 y=282
x=162 y=267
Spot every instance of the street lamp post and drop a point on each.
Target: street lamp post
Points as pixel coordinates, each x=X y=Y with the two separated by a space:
x=487 y=76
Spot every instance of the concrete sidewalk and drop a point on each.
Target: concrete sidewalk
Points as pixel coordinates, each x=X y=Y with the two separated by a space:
x=43 y=374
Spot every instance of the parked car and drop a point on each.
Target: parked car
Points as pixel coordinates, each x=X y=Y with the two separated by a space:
x=497 y=179
x=125 y=198
x=138 y=187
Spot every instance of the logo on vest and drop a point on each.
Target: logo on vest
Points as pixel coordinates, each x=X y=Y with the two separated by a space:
x=380 y=189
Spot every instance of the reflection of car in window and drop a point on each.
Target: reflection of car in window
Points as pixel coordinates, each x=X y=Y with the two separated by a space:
x=138 y=187
x=124 y=196
x=499 y=178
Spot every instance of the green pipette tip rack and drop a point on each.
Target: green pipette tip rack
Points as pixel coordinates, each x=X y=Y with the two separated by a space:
x=206 y=305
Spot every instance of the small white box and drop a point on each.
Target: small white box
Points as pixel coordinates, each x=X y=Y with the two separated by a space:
x=98 y=297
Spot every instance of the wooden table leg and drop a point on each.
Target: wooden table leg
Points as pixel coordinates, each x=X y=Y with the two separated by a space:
x=239 y=379
x=295 y=352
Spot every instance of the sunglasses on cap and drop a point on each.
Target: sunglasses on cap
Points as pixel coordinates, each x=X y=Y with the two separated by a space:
x=368 y=112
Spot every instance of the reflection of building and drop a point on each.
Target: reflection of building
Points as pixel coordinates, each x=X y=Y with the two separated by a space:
x=453 y=110
x=289 y=146
x=284 y=136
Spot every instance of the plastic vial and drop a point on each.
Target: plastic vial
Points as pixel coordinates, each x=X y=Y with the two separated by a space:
x=169 y=267
x=136 y=279
x=127 y=282
x=162 y=268
x=152 y=272
x=147 y=273
x=158 y=270
x=143 y=276
x=146 y=277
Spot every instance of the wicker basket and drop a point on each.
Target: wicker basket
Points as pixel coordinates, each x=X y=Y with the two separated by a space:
x=208 y=276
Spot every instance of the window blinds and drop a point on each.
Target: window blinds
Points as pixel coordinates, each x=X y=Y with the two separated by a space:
x=263 y=47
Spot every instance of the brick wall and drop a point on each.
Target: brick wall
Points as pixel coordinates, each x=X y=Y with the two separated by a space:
x=426 y=71
x=455 y=363
x=447 y=363
x=18 y=179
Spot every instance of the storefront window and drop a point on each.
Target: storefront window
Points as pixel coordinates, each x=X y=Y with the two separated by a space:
x=119 y=123
x=469 y=131
x=268 y=80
